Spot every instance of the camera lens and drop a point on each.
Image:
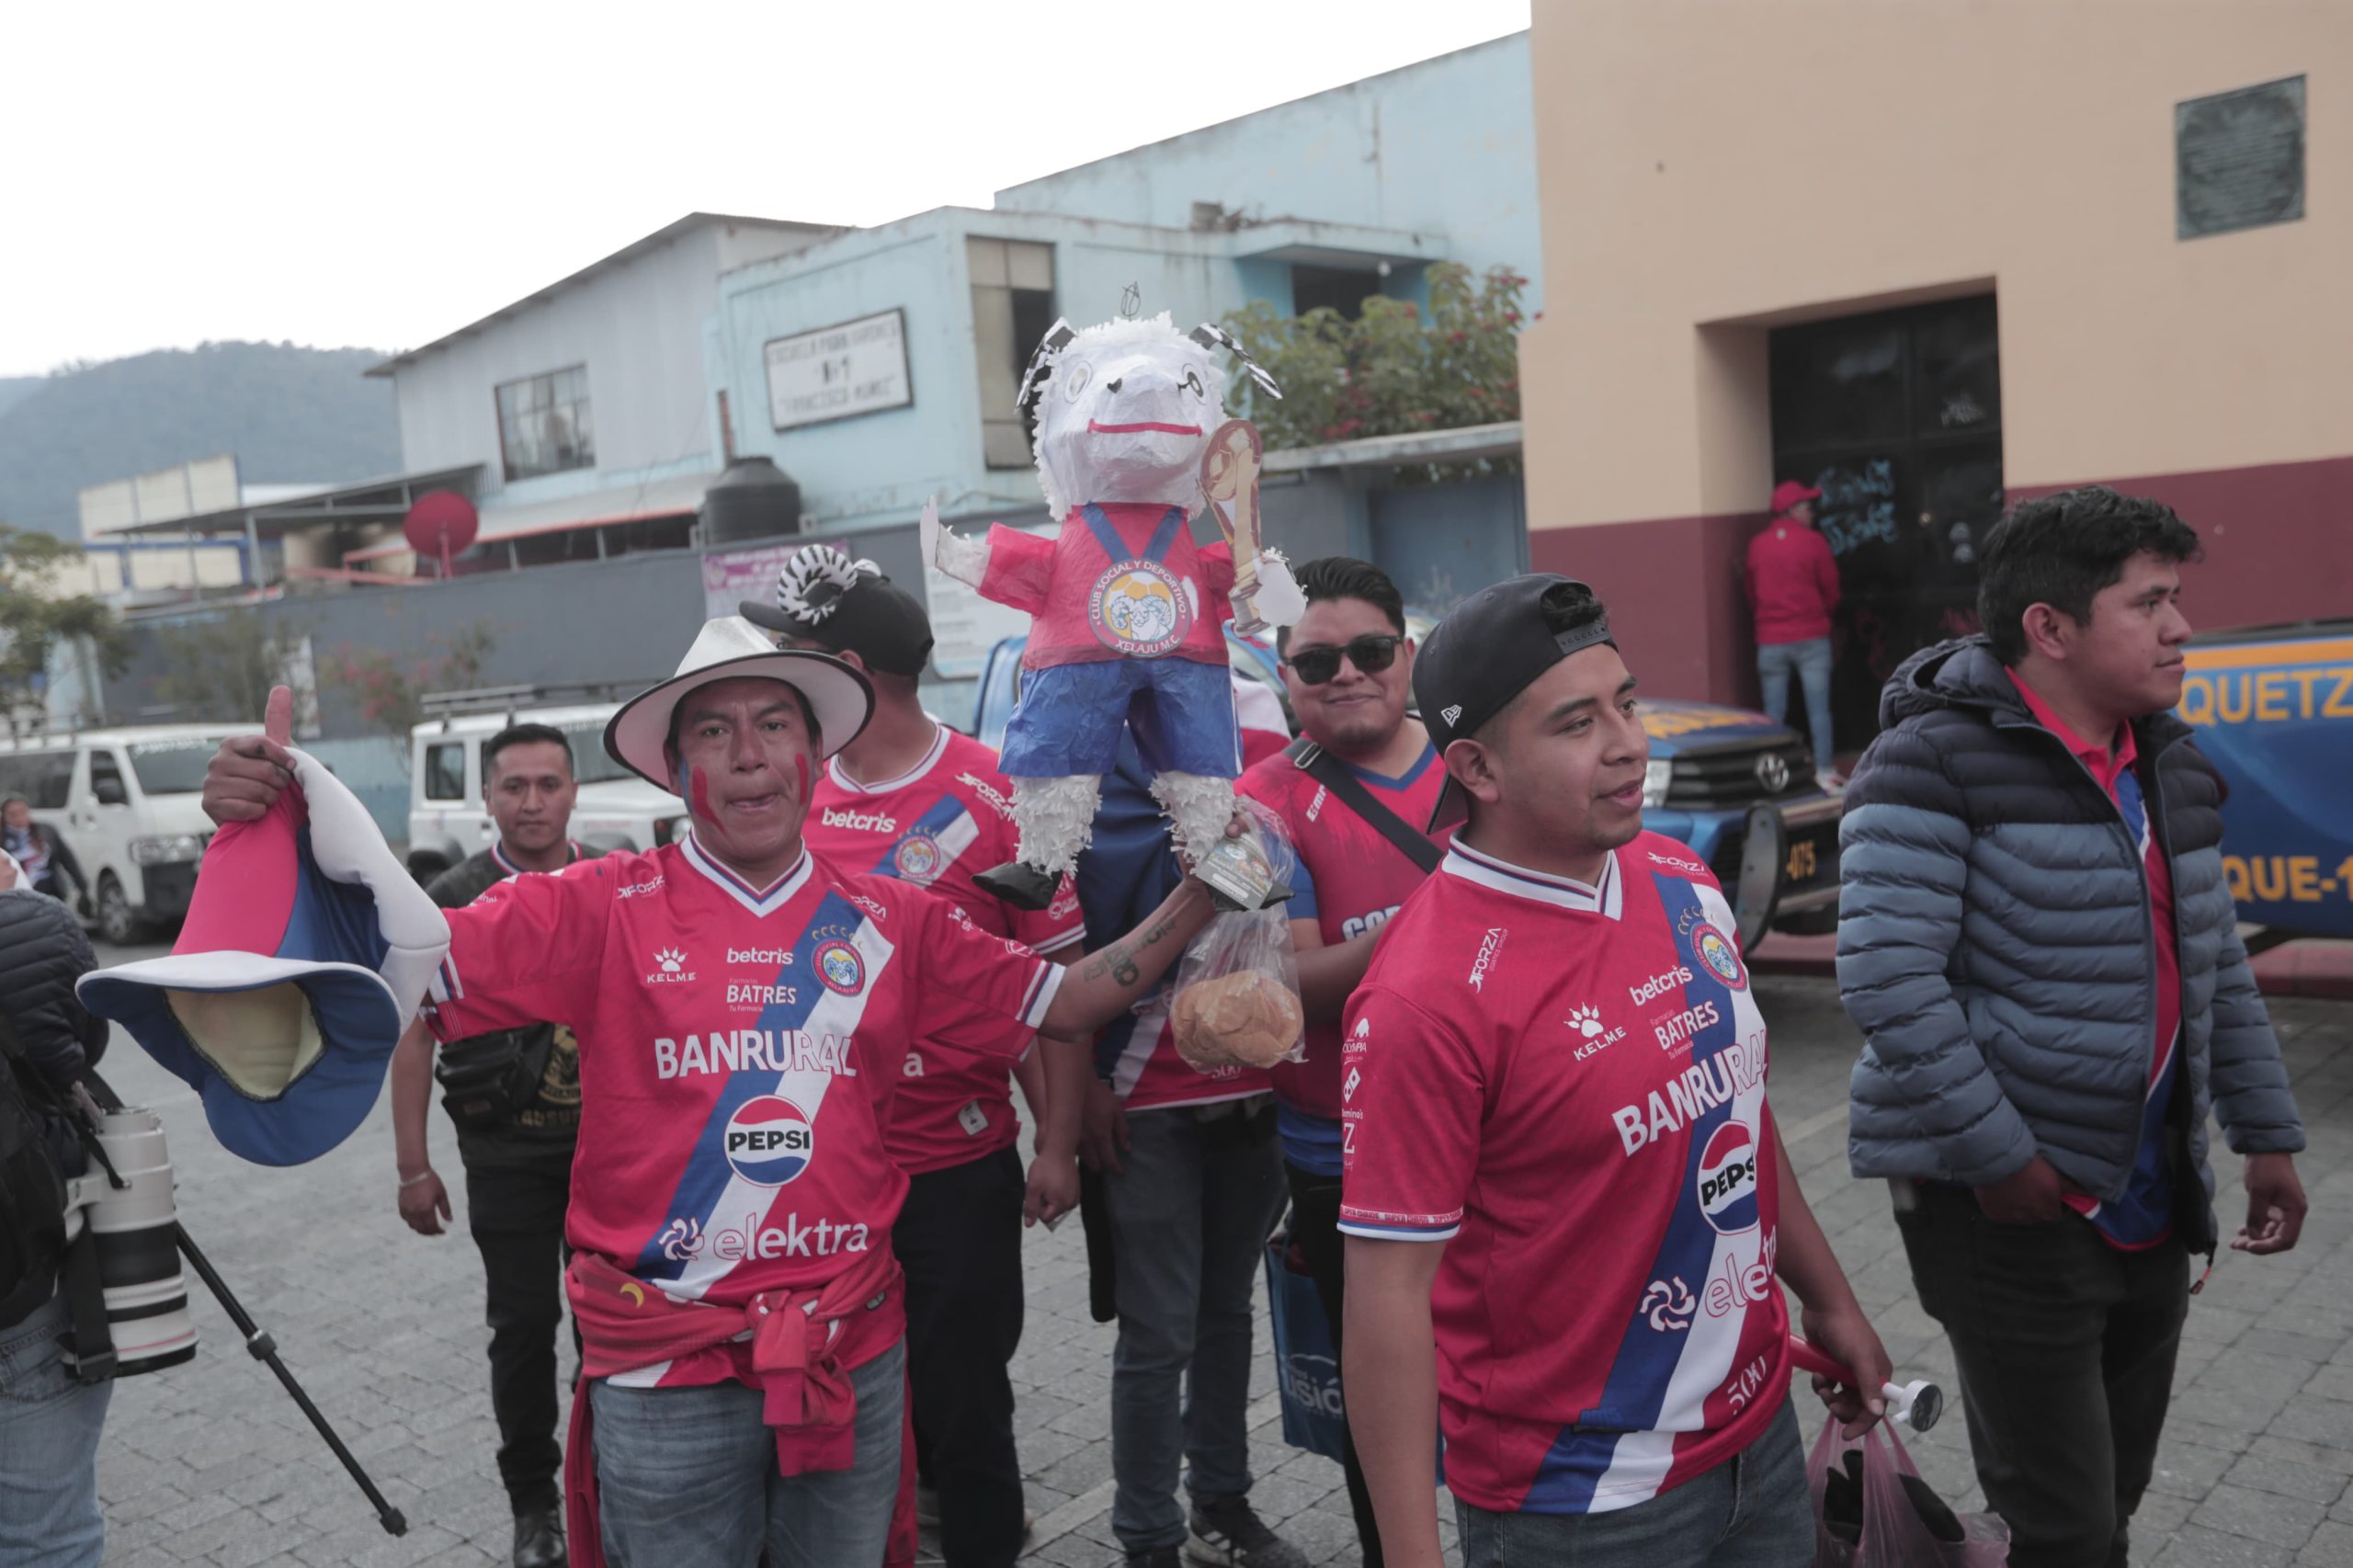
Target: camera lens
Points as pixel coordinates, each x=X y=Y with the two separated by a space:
x=138 y=1242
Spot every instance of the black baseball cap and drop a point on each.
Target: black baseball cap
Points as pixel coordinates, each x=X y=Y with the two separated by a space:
x=1488 y=650
x=843 y=605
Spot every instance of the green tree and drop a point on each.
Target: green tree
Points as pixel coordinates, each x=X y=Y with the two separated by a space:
x=221 y=669
x=1395 y=370
x=390 y=695
x=36 y=619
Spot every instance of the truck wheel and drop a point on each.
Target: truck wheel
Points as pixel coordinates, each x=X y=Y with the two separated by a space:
x=118 y=922
x=426 y=866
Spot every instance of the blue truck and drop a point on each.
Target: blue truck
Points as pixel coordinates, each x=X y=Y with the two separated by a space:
x=1735 y=786
x=2273 y=711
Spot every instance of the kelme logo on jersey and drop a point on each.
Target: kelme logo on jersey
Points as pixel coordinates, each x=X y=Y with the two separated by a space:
x=670 y=968
x=917 y=858
x=768 y=1141
x=1715 y=950
x=1727 y=1179
x=839 y=966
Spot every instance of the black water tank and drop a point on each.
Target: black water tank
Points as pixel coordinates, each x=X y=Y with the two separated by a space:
x=753 y=499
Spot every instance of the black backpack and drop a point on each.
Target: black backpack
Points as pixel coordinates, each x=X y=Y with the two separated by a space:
x=32 y=1186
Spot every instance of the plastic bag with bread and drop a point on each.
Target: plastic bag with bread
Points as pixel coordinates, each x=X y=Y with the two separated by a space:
x=1236 y=1001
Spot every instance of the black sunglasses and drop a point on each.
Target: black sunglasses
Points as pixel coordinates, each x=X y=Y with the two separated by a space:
x=1371 y=655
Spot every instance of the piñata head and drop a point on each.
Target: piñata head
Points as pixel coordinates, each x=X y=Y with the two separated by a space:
x=1125 y=410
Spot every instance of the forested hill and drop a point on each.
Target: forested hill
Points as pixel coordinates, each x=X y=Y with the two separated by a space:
x=289 y=414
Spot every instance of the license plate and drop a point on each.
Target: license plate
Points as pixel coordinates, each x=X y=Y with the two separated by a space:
x=1809 y=859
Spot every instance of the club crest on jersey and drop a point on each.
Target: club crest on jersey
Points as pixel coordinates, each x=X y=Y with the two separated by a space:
x=1727 y=1179
x=840 y=967
x=917 y=858
x=768 y=1141
x=1139 y=609
x=1716 y=951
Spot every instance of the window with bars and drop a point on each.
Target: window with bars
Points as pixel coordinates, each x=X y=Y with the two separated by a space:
x=544 y=424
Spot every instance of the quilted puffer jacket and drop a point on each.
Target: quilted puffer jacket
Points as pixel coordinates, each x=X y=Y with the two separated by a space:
x=42 y=953
x=1996 y=949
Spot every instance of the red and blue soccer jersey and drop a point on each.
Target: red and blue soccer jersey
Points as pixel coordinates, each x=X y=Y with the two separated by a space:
x=1350 y=880
x=1122 y=581
x=942 y=821
x=2144 y=1216
x=1565 y=1085
x=739 y=1047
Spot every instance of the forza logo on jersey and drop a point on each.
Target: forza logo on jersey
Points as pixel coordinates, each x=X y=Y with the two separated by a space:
x=1488 y=949
x=767 y=1050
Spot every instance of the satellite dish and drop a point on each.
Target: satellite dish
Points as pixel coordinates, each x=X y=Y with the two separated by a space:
x=441 y=524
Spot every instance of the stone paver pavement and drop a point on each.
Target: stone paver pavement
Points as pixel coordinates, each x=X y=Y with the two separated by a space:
x=211 y=1463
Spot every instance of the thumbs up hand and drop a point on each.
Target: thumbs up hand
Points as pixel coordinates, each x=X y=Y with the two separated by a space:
x=249 y=772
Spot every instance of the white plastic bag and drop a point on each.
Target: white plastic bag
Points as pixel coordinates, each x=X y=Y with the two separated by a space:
x=1236 y=999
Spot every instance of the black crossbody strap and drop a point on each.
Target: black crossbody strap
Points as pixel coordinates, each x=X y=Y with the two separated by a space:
x=1333 y=775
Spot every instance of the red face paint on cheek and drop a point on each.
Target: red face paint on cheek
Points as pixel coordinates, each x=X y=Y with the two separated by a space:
x=800 y=771
x=698 y=794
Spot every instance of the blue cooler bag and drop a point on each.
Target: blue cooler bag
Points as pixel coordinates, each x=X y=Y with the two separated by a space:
x=1306 y=1372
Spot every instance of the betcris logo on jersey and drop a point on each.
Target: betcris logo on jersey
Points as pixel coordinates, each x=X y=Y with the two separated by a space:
x=1727 y=1179
x=769 y=1141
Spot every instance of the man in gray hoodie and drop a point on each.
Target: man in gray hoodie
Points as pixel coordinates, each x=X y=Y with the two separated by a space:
x=2040 y=948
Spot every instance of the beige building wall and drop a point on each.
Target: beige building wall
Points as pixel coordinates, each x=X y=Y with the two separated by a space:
x=1712 y=167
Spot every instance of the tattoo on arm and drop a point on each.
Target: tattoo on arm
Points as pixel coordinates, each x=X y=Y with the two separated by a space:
x=1118 y=961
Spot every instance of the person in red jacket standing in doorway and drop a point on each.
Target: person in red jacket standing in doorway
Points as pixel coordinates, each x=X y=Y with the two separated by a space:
x=1792 y=588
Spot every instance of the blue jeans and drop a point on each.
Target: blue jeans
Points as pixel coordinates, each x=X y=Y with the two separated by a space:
x=688 y=1476
x=1751 y=1511
x=1811 y=661
x=1190 y=1214
x=49 y=1450
x=1069 y=720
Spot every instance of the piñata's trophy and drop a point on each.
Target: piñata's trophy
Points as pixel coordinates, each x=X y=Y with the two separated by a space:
x=1230 y=485
x=1126 y=611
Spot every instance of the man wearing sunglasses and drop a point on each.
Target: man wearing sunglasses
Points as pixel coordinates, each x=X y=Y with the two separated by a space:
x=1353 y=794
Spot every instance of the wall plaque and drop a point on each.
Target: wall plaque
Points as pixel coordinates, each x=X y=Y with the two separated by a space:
x=2239 y=159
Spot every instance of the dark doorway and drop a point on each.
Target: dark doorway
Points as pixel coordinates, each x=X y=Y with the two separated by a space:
x=1896 y=417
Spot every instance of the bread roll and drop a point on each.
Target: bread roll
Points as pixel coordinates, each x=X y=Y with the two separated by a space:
x=1244 y=1019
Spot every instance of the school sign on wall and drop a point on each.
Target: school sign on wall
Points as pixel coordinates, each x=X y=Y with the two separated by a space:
x=839 y=372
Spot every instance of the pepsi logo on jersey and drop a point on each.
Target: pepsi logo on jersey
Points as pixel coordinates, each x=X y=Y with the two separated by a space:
x=1727 y=1180
x=768 y=1141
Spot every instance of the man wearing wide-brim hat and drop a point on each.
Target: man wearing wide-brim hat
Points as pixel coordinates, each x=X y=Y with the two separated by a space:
x=742 y=1010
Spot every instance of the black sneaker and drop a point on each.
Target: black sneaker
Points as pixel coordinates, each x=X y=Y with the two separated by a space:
x=538 y=1538
x=1227 y=1534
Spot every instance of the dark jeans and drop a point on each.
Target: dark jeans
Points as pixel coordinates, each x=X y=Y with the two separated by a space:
x=515 y=1208
x=959 y=1239
x=1751 y=1511
x=2066 y=1351
x=1315 y=1230
x=1190 y=1214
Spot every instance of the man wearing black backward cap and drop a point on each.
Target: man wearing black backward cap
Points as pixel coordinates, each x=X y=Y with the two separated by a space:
x=1555 y=1070
x=912 y=800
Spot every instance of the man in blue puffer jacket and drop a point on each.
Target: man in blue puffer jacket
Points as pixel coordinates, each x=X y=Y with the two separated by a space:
x=2038 y=946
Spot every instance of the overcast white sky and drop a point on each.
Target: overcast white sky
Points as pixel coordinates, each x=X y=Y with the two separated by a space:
x=381 y=174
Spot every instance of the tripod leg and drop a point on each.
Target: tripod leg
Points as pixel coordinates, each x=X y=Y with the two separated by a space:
x=265 y=1350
